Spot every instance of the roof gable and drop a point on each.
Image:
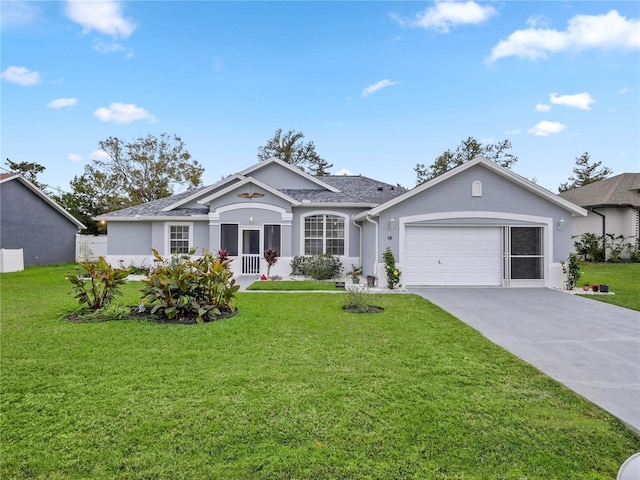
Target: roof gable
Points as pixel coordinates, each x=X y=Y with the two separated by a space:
x=247 y=182
x=488 y=164
x=8 y=177
x=307 y=181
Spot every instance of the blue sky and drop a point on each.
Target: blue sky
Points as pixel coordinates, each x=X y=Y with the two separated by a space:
x=377 y=86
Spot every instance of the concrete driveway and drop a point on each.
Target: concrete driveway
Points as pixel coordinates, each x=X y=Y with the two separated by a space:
x=591 y=347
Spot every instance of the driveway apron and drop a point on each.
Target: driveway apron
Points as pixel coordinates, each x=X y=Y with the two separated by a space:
x=590 y=346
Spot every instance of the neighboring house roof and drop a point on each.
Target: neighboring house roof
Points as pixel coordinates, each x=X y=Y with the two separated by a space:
x=8 y=177
x=332 y=190
x=620 y=191
x=504 y=172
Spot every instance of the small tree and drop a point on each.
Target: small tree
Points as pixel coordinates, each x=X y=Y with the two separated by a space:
x=393 y=274
x=585 y=173
x=571 y=268
x=271 y=257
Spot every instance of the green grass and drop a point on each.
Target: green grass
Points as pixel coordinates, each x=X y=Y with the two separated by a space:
x=291 y=387
x=623 y=279
x=293 y=285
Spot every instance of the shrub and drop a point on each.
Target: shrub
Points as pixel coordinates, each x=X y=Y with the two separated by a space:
x=271 y=257
x=633 y=249
x=318 y=267
x=590 y=247
x=393 y=274
x=571 y=268
x=102 y=285
x=203 y=288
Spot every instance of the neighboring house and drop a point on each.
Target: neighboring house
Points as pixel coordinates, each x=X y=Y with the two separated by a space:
x=32 y=221
x=478 y=224
x=613 y=206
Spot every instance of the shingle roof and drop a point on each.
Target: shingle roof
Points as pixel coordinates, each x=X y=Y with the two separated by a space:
x=621 y=190
x=352 y=190
x=154 y=208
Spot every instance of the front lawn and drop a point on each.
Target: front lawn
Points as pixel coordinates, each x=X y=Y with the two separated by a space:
x=291 y=387
x=623 y=279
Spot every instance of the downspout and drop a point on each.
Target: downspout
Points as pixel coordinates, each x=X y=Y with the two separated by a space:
x=360 y=250
x=375 y=263
x=604 y=232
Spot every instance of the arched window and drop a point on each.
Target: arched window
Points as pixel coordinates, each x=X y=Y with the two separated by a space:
x=324 y=234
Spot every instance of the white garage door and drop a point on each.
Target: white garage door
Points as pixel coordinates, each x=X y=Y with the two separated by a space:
x=453 y=256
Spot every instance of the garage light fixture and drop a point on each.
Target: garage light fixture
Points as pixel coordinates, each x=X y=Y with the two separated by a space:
x=392 y=223
x=561 y=224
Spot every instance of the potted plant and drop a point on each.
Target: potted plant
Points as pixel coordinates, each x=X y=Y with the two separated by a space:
x=355 y=273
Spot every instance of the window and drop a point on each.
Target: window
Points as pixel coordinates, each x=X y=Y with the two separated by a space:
x=179 y=238
x=229 y=238
x=272 y=237
x=527 y=259
x=324 y=234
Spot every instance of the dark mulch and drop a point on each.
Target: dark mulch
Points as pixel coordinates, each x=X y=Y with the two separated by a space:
x=136 y=314
x=362 y=309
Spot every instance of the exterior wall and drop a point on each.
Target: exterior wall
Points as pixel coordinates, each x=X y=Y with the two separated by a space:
x=502 y=203
x=30 y=223
x=278 y=177
x=618 y=221
x=132 y=242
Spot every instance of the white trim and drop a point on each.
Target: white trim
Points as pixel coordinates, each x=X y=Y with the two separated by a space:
x=504 y=172
x=214 y=216
x=150 y=218
x=345 y=218
x=52 y=203
x=167 y=235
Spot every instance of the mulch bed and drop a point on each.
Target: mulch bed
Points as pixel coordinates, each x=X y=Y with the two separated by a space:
x=135 y=314
x=363 y=309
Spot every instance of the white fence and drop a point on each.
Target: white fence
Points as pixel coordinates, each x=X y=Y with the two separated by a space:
x=11 y=260
x=90 y=247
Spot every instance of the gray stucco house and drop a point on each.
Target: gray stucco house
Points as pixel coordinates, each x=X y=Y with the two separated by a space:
x=478 y=224
x=613 y=206
x=30 y=220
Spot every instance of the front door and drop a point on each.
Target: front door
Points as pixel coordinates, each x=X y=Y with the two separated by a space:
x=250 y=251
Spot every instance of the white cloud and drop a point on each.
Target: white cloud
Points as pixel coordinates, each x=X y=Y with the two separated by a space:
x=583 y=32
x=546 y=128
x=582 y=100
x=445 y=14
x=62 y=102
x=377 y=86
x=107 y=47
x=18 y=13
x=72 y=157
x=624 y=90
x=537 y=21
x=99 y=155
x=123 y=113
x=21 y=75
x=542 y=108
x=343 y=171
x=102 y=16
